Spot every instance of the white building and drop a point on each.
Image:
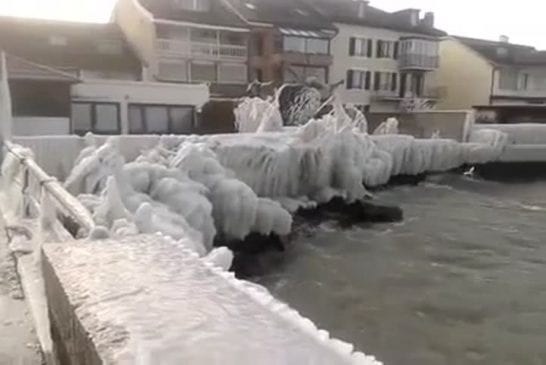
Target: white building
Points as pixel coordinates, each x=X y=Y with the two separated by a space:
x=188 y=41
x=385 y=58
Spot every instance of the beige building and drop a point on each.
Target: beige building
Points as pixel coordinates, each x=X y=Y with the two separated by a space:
x=507 y=82
x=386 y=59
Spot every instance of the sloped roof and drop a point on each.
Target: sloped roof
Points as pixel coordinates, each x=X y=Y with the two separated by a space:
x=19 y=68
x=31 y=39
x=346 y=12
x=504 y=53
x=282 y=13
x=218 y=14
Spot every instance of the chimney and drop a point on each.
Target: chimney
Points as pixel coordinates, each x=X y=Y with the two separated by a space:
x=362 y=8
x=428 y=20
x=504 y=39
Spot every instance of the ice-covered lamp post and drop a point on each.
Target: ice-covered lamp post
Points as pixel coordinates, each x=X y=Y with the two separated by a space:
x=6 y=117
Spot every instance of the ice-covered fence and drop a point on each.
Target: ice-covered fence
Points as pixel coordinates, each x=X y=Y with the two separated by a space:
x=525 y=142
x=25 y=186
x=449 y=124
x=56 y=154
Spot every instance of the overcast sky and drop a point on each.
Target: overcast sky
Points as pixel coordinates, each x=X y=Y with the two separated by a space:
x=522 y=20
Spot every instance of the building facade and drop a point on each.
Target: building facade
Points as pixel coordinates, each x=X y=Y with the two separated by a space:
x=290 y=40
x=76 y=78
x=188 y=41
x=386 y=59
x=506 y=82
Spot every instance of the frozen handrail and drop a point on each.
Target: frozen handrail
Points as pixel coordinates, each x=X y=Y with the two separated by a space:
x=65 y=200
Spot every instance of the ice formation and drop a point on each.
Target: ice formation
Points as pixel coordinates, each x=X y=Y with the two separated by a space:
x=233 y=185
x=390 y=126
x=178 y=188
x=5 y=101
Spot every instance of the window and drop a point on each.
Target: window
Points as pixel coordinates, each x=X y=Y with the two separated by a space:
x=317 y=46
x=305 y=45
x=386 y=81
x=99 y=118
x=358 y=79
x=298 y=74
x=181 y=120
x=294 y=44
x=361 y=47
x=160 y=119
x=233 y=39
x=203 y=72
x=508 y=79
x=157 y=119
x=172 y=32
x=82 y=120
x=523 y=82
x=173 y=70
x=387 y=49
x=106 y=118
x=232 y=73
x=195 y=5
x=204 y=35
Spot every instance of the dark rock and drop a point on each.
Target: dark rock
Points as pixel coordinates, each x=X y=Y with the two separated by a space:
x=254 y=243
x=407 y=180
x=512 y=171
x=246 y=266
x=348 y=214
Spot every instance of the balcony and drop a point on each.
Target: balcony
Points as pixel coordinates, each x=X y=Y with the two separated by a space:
x=415 y=61
x=519 y=94
x=430 y=93
x=196 y=50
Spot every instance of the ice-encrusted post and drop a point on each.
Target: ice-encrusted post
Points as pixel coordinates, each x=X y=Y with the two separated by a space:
x=5 y=105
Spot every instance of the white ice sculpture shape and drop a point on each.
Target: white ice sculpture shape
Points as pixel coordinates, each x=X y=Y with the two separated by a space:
x=153 y=219
x=390 y=126
x=89 y=175
x=221 y=257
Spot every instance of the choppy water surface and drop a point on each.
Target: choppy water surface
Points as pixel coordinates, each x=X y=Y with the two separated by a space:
x=461 y=281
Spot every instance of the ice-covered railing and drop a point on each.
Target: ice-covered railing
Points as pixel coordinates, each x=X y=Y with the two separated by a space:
x=180 y=310
x=25 y=188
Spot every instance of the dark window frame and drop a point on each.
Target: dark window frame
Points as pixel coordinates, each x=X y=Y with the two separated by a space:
x=142 y=108
x=307 y=66
x=94 y=105
x=305 y=44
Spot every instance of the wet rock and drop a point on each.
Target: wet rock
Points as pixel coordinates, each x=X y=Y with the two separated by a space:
x=347 y=214
x=407 y=180
x=254 y=243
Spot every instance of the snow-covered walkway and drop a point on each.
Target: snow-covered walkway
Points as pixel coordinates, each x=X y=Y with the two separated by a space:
x=18 y=341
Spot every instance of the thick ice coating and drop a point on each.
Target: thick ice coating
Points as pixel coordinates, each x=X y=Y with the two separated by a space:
x=236 y=184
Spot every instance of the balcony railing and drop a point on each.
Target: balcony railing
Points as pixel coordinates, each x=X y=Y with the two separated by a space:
x=418 y=61
x=508 y=93
x=173 y=48
x=429 y=93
